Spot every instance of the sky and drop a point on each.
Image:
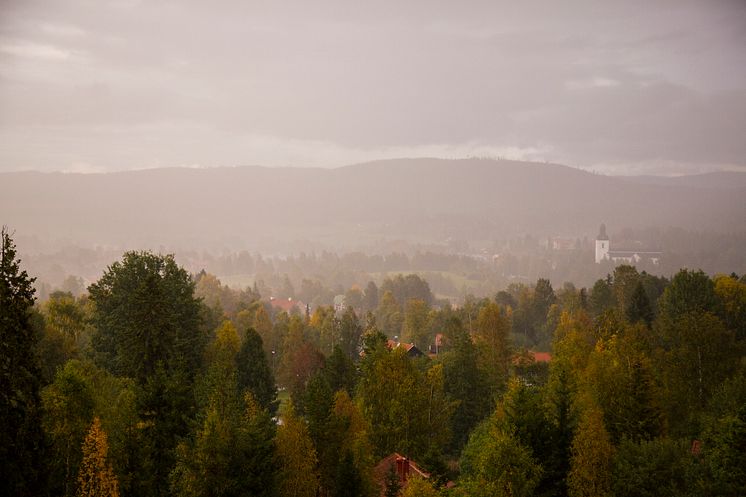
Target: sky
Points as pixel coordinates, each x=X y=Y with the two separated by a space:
x=633 y=87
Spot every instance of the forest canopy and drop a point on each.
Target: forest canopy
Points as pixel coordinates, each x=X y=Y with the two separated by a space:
x=156 y=381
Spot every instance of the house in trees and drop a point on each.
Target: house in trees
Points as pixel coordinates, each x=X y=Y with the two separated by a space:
x=340 y=303
x=403 y=467
x=528 y=357
x=628 y=255
x=288 y=305
x=410 y=348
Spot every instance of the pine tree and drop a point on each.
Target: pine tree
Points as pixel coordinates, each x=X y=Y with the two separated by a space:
x=96 y=477
x=21 y=437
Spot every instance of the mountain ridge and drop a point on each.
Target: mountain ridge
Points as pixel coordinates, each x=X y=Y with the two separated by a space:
x=412 y=199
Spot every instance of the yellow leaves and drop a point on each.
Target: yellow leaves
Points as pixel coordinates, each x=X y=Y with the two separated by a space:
x=297 y=457
x=592 y=454
x=419 y=487
x=96 y=477
x=224 y=348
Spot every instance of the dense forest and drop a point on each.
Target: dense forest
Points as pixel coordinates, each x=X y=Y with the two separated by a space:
x=155 y=380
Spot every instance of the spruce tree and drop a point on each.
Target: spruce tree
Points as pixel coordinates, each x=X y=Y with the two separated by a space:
x=20 y=416
x=639 y=308
x=254 y=373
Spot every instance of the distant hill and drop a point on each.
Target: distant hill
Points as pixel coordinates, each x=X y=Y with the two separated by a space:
x=719 y=179
x=428 y=200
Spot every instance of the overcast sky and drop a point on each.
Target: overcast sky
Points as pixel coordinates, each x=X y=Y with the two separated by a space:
x=627 y=87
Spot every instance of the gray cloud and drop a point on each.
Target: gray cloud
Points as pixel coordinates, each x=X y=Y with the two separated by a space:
x=629 y=86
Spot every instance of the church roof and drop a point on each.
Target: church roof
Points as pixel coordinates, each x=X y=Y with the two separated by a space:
x=602 y=233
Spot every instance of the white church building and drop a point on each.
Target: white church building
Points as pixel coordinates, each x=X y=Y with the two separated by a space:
x=631 y=256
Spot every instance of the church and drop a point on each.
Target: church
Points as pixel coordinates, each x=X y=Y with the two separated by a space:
x=628 y=256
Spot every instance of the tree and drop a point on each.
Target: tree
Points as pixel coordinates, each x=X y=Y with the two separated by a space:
x=348 y=482
x=416 y=323
x=620 y=377
x=146 y=316
x=495 y=463
x=148 y=328
x=592 y=454
x=661 y=467
x=521 y=412
x=601 y=297
x=96 y=477
x=389 y=315
x=493 y=342
x=689 y=292
x=407 y=411
x=639 y=308
x=698 y=355
x=732 y=295
x=403 y=288
x=370 y=297
x=297 y=457
x=64 y=332
x=21 y=437
x=263 y=326
x=340 y=372
x=254 y=373
x=350 y=431
x=419 y=487
x=354 y=298
x=232 y=453
x=350 y=332
x=626 y=280
x=68 y=410
x=725 y=455
x=464 y=383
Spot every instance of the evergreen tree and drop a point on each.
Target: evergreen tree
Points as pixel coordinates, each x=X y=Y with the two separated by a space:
x=148 y=328
x=348 y=481
x=232 y=453
x=639 y=308
x=340 y=372
x=464 y=383
x=254 y=372
x=350 y=333
x=96 y=477
x=21 y=437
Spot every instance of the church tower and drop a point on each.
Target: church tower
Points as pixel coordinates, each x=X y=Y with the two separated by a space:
x=602 y=245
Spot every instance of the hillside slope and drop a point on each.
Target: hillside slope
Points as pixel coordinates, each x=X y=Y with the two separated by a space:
x=414 y=199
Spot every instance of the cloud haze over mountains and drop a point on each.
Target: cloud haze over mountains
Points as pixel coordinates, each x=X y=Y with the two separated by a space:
x=429 y=201
x=632 y=87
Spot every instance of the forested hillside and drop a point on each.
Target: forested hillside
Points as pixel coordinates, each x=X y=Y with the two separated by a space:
x=155 y=381
x=418 y=200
